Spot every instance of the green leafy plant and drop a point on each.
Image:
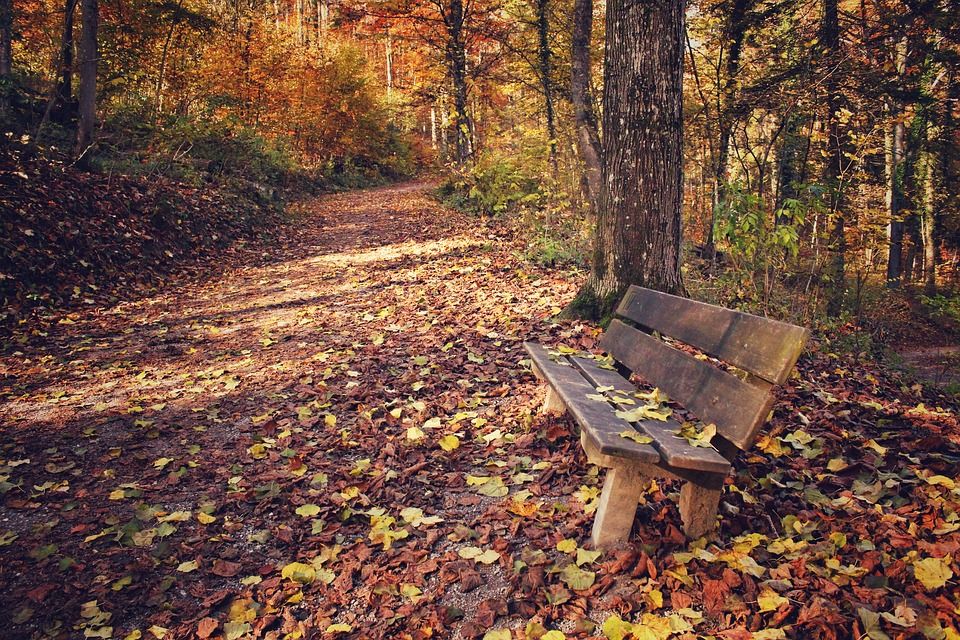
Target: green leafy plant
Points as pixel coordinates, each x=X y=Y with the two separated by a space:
x=761 y=241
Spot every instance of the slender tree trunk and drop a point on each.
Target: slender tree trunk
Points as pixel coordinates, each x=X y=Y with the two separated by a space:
x=456 y=54
x=6 y=56
x=837 y=248
x=588 y=135
x=638 y=223
x=734 y=31
x=61 y=104
x=388 y=54
x=89 y=15
x=928 y=218
x=544 y=55
x=158 y=99
x=6 y=38
x=894 y=176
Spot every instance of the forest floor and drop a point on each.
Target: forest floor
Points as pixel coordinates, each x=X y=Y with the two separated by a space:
x=342 y=439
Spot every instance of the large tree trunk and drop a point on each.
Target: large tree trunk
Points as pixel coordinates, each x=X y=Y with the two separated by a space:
x=588 y=136
x=638 y=223
x=89 y=16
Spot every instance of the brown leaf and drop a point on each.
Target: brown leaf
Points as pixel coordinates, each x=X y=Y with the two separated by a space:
x=226 y=569
x=206 y=627
x=469 y=580
x=715 y=594
x=489 y=610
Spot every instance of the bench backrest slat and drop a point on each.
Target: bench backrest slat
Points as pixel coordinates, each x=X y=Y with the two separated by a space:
x=766 y=348
x=738 y=408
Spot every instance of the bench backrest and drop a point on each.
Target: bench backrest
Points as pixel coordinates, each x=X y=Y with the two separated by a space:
x=764 y=349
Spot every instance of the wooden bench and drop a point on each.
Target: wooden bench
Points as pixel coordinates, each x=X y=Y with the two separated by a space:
x=754 y=355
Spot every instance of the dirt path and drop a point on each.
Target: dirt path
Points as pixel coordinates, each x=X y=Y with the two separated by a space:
x=190 y=427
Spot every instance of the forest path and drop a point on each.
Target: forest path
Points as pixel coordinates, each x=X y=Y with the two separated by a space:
x=339 y=439
x=289 y=383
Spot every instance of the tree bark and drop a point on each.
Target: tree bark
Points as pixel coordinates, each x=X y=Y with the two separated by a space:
x=638 y=223
x=928 y=222
x=158 y=98
x=894 y=177
x=6 y=38
x=837 y=248
x=61 y=104
x=456 y=55
x=89 y=16
x=6 y=56
x=734 y=31
x=544 y=55
x=588 y=135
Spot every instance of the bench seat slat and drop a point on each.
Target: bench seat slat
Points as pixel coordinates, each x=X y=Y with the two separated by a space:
x=597 y=419
x=737 y=408
x=766 y=348
x=675 y=451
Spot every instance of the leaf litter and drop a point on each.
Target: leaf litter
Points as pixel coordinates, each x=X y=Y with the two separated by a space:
x=346 y=442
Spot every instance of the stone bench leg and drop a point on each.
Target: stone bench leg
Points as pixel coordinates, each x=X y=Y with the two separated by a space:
x=698 y=508
x=619 y=499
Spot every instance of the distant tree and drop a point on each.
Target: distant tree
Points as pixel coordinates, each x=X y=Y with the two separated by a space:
x=6 y=57
x=588 y=135
x=637 y=237
x=86 y=116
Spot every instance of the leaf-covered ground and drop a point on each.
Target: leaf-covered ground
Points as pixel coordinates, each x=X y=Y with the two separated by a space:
x=345 y=442
x=70 y=238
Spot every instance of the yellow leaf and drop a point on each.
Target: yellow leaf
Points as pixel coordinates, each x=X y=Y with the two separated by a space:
x=636 y=436
x=837 y=464
x=205 y=518
x=308 y=510
x=158 y=631
x=933 y=573
x=655 y=598
x=553 y=634
x=410 y=591
x=330 y=420
x=116 y=494
x=567 y=546
x=876 y=447
x=770 y=600
x=943 y=481
x=649 y=412
x=449 y=443
x=488 y=557
x=615 y=628
x=187 y=567
x=299 y=572
x=771 y=446
x=340 y=627
x=415 y=433
x=652 y=627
